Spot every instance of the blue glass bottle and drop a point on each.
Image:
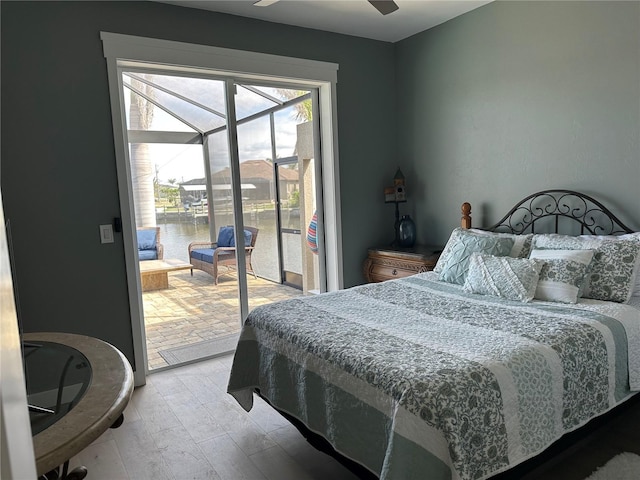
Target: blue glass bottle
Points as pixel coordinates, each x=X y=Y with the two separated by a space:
x=406 y=232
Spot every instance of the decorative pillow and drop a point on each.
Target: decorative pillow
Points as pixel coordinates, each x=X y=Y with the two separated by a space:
x=615 y=266
x=146 y=239
x=454 y=260
x=506 y=277
x=247 y=239
x=225 y=237
x=636 y=288
x=453 y=238
x=564 y=274
x=521 y=243
x=627 y=236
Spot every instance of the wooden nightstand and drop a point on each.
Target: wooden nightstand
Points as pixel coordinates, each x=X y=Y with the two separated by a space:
x=386 y=263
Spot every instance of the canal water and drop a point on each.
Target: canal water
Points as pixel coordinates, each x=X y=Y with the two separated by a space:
x=177 y=233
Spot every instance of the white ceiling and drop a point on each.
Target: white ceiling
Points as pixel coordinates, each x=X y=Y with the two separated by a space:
x=350 y=17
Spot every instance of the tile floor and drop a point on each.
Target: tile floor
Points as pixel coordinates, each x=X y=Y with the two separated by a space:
x=193 y=309
x=182 y=425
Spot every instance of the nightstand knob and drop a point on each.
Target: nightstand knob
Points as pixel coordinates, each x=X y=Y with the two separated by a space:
x=395 y=272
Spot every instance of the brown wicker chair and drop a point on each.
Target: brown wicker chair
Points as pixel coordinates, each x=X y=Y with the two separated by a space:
x=209 y=257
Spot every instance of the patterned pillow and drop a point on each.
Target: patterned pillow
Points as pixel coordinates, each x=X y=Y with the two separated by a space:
x=521 y=243
x=506 y=277
x=446 y=251
x=616 y=262
x=627 y=236
x=454 y=260
x=564 y=275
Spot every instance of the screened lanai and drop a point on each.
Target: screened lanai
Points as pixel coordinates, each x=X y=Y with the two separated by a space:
x=181 y=172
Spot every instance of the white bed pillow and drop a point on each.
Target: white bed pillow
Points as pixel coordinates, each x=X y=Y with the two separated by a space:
x=564 y=274
x=615 y=267
x=506 y=277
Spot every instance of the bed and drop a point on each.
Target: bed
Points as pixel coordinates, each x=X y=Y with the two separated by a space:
x=515 y=339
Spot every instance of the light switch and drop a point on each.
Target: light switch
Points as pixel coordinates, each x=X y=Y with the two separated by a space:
x=106 y=234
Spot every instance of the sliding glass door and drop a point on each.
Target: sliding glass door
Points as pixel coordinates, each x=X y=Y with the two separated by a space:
x=169 y=72
x=275 y=137
x=200 y=167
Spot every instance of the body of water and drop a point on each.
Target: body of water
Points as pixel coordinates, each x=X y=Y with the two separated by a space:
x=177 y=234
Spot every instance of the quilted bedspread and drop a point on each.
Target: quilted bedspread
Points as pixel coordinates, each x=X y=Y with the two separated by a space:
x=413 y=378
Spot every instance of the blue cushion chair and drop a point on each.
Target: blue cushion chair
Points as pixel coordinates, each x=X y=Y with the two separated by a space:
x=219 y=258
x=149 y=246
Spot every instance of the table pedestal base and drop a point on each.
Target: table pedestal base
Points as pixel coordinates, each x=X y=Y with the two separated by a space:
x=77 y=473
x=154 y=281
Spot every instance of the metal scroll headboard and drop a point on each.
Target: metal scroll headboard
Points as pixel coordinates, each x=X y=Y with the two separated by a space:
x=552 y=207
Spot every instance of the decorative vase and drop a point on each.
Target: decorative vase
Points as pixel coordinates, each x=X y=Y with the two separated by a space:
x=406 y=232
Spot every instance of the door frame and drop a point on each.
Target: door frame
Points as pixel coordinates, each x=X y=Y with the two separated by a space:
x=119 y=49
x=277 y=163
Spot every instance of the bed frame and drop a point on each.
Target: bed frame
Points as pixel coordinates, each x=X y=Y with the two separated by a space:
x=555 y=210
x=552 y=211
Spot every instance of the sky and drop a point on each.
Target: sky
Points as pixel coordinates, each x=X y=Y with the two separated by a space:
x=184 y=162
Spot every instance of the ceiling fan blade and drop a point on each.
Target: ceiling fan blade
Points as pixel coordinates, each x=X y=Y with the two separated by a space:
x=385 y=7
x=264 y=3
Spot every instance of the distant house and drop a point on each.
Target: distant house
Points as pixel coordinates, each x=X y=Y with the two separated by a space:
x=257 y=182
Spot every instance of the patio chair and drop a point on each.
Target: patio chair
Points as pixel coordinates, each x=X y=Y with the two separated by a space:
x=219 y=258
x=149 y=246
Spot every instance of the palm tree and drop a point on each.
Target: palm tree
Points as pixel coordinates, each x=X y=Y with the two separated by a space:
x=303 y=109
x=142 y=171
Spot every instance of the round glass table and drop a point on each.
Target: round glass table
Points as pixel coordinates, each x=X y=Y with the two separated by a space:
x=57 y=377
x=77 y=388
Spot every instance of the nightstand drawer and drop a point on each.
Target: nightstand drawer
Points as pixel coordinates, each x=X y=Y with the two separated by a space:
x=389 y=263
x=380 y=273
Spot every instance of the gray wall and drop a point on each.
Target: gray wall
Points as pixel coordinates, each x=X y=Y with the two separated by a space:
x=508 y=99
x=58 y=166
x=516 y=97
